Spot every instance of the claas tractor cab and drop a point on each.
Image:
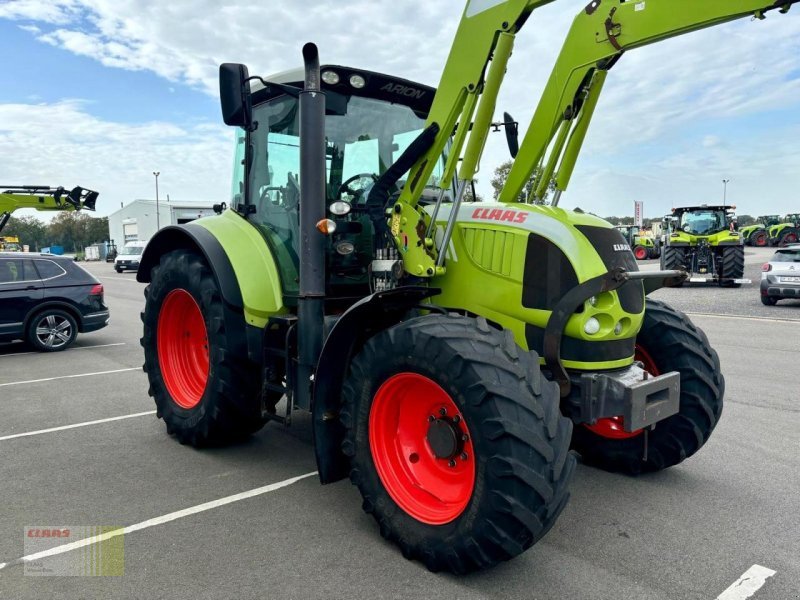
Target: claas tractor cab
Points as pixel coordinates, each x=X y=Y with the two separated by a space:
x=642 y=245
x=786 y=232
x=10 y=244
x=757 y=234
x=451 y=353
x=704 y=242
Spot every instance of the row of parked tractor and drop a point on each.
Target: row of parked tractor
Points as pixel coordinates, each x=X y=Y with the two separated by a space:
x=772 y=230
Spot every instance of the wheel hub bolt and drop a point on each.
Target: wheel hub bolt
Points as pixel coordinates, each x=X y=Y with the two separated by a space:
x=457 y=419
x=465 y=438
x=431 y=419
x=443 y=411
x=452 y=463
x=464 y=456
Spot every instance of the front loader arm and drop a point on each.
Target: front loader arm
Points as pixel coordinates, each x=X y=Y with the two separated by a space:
x=599 y=36
x=467 y=94
x=43 y=198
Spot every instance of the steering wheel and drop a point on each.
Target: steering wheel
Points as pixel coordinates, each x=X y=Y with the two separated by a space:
x=357 y=191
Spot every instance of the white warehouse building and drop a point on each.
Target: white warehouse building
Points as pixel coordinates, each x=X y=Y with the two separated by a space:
x=137 y=221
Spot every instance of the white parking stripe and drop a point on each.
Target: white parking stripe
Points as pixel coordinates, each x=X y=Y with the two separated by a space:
x=173 y=516
x=120 y=278
x=70 y=376
x=73 y=349
x=76 y=425
x=743 y=318
x=748 y=584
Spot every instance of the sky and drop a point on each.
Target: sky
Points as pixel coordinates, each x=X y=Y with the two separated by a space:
x=101 y=93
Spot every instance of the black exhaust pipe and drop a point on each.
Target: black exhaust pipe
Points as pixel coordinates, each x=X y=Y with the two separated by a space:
x=311 y=304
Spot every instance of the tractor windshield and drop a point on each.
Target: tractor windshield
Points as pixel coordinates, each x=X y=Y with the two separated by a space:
x=704 y=222
x=360 y=145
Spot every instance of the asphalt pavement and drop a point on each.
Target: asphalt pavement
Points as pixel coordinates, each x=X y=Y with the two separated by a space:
x=241 y=522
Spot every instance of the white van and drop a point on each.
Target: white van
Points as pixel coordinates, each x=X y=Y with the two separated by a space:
x=129 y=257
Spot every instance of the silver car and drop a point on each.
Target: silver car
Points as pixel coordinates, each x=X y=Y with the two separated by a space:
x=780 y=277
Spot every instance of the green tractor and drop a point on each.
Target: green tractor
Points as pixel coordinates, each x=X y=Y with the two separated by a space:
x=643 y=246
x=757 y=234
x=451 y=353
x=785 y=232
x=704 y=243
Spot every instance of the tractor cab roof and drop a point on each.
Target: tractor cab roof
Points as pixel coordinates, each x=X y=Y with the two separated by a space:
x=352 y=82
x=725 y=207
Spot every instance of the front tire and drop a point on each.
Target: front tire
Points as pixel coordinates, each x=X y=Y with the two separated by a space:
x=769 y=300
x=668 y=341
x=456 y=442
x=206 y=396
x=640 y=253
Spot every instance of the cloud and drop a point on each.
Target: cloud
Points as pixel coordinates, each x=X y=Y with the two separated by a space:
x=658 y=99
x=62 y=144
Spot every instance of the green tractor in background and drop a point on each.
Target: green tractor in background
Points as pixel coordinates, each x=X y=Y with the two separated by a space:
x=642 y=245
x=702 y=241
x=757 y=234
x=786 y=232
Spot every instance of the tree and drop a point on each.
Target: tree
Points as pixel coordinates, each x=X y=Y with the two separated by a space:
x=30 y=230
x=745 y=220
x=74 y=231
x=501 y=175
x=470 y=197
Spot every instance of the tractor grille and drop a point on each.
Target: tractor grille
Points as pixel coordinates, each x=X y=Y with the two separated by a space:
x=490 y=249
x=548 y=274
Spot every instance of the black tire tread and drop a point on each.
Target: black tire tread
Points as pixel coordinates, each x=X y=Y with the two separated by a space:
x=732 y=263
x=230 y=408
x=526 y=475
x=675 y=344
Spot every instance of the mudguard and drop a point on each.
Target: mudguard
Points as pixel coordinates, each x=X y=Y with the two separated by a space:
x=361 y=321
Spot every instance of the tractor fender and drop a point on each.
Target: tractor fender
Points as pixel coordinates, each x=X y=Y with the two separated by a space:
x=361 y=321
x=193 y=237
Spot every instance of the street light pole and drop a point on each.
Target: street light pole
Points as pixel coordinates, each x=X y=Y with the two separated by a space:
x=725 y=183
x=158 y=213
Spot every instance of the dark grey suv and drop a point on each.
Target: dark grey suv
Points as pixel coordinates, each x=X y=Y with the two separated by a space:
x=780 y=277
x=47 y=300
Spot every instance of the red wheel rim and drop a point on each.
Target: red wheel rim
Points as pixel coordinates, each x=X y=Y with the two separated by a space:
x=790 y=238
x=761 y=239
x=640 y=253
x=183 y=348
x=433 y=489
x=614 y=427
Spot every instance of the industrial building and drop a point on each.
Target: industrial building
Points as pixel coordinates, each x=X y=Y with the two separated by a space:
x=138 y=221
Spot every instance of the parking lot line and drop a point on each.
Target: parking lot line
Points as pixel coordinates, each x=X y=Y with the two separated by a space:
x=73 y=349
x=75 y=425
x=743 y=317
x=70 y=376
x=748 y=584
x=173 y=516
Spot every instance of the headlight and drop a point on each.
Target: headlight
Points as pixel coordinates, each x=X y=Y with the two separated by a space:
x=345 y=248
x=592 y=326
x=340 y=208
x=330 y=77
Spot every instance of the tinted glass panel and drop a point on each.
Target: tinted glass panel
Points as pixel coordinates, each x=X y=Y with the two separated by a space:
x=48 y=269
x=786 y=256
x=11 y=270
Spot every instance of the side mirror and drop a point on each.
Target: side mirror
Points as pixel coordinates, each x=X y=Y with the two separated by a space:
x=512 y=134
x=234 y=95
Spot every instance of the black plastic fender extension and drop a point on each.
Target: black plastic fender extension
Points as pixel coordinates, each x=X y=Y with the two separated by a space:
x=361 y=321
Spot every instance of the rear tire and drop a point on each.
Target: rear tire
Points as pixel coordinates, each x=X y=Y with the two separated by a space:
x=517 y=448
x=52 y=330
x=674 y=344
x=640 y=253
x=732 y=265
x=227 y=407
